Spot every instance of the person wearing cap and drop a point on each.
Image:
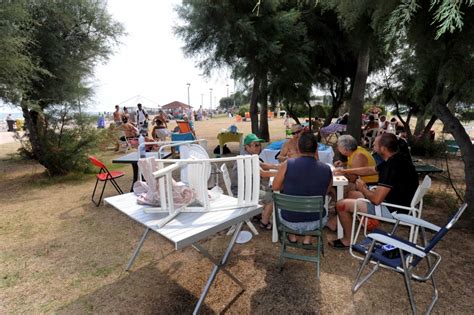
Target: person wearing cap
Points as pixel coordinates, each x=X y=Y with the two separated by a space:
x=253 y=145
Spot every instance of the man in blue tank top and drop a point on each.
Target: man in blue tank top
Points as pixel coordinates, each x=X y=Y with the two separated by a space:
x=303 y=176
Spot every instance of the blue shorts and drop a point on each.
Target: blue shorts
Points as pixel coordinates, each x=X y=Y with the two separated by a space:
x=384 y=212
x=303 y=226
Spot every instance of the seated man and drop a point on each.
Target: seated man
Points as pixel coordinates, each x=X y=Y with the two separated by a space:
x=253 y=145
x=130 y=130
x=303 y=176
x=357 y=156
x=159 y=131
x=290 y=148
x=397 y=184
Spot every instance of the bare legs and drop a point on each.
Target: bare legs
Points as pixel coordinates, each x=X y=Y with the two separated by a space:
x=345 y=208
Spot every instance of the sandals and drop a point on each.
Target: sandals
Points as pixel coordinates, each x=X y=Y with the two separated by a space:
x=264 y=226
x=338 y=244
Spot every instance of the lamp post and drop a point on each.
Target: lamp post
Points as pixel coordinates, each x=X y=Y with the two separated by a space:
x=189 y=101
x=227 y=86
x=210 y=98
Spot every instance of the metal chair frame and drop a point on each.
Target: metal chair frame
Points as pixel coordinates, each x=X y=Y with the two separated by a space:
x=309 y=204
x=110 y=177
x=410 y=255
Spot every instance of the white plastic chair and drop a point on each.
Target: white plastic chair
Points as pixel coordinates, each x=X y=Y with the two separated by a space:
x=415 y=208
x=227 y=183
x=248 y=169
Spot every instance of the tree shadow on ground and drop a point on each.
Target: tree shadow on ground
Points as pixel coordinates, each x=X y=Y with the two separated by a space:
x=144 y=291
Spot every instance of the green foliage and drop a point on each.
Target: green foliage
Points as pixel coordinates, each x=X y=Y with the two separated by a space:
x=321 y=111
x=428 y=148
x=65 y=143
x=48 y=52
x=226 y=102
x=243 y=109
x=16 y=65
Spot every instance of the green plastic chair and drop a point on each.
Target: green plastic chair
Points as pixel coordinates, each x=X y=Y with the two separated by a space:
x=299 y=204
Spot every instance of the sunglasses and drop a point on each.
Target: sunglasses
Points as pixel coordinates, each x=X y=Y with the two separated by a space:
x=257 y=144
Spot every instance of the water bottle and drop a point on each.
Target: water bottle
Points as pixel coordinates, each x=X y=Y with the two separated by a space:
x=141 y=145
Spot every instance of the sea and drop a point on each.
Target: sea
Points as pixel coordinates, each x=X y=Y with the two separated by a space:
x=17 y=115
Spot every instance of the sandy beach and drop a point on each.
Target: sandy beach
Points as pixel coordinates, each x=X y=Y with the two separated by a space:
x=6 y=137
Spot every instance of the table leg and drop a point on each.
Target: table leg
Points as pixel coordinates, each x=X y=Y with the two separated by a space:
x=340 y=195
x=274 y=227
x=135 y=174
x=218 y=265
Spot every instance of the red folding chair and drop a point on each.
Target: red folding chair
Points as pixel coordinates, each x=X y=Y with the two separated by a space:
x=105 y=175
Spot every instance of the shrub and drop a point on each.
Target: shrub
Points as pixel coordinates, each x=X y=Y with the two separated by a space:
x=243 y=109
x=427 y=147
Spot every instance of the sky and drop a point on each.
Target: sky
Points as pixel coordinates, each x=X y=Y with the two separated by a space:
x=150 y=62
x=149 y=66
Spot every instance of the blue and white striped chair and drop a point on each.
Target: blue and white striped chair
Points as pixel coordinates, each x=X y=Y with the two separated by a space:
x=404 y=256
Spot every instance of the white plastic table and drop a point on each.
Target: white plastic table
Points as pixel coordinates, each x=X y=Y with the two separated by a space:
x=186 y=230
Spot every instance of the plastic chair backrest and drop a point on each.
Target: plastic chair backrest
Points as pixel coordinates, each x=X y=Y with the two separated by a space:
x=96 y=162
x=196 y=151
x=184 y=126
x=299 y=203
x=420 y=192
x=227 y=181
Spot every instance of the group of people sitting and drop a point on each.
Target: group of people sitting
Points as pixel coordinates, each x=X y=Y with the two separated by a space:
x=131 y=130
x=390 y=172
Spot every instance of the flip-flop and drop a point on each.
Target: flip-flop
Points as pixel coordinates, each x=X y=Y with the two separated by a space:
x=266 y=227
x=337 y=244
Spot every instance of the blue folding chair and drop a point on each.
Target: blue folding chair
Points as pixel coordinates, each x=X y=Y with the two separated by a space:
x=389 y=251
x=182 y=137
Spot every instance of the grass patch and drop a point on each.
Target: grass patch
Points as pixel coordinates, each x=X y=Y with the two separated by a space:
x=9 y=280
x=440 y=198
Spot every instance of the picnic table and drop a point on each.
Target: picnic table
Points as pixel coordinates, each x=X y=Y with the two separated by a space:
x=187 y=229
x=425 y=168
x=338 y=181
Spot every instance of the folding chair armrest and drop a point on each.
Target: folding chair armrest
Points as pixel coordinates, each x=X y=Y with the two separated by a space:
x=415 y=221
x=398 y=206
x=391 y=241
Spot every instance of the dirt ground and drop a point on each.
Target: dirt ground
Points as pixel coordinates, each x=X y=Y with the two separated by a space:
x=61 y=254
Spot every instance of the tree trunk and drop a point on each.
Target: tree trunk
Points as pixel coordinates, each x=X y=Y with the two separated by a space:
x=429 y=125
x=254 y=104
x=291 y=113
x=357 y=99
x=263 y=132
x=454 y=126
x=31 y=124
x=420 y=123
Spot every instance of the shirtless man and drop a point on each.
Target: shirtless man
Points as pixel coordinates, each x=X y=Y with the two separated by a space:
x=117 y=116
x=290 y=148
